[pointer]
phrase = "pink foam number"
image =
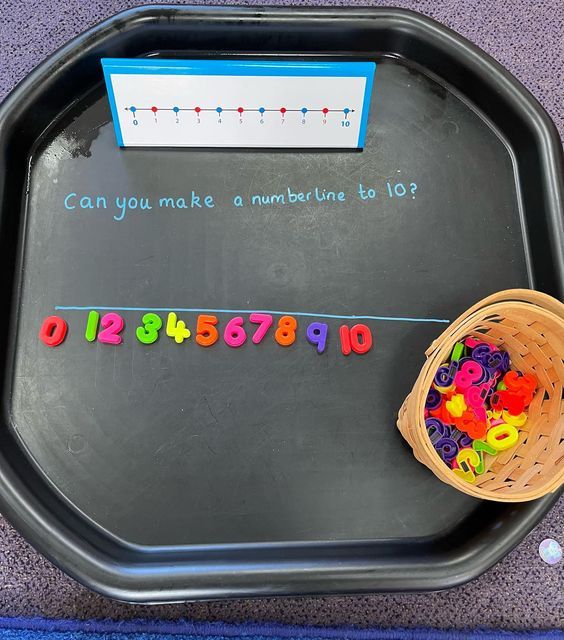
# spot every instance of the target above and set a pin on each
(112, 324)
(234, 334)
(264, 321)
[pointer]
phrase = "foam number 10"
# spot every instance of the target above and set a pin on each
(357, 339)
(112, 325)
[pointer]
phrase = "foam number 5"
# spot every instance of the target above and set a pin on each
(468, 460)
(206, 332)
(149, 332)
(286, 333)
(264, 321)
(53, 331)
(176, 328)
(234, 334)
(112, 324)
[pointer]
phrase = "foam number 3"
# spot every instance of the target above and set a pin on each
(53, 331)
(234, 334)
(264, 321)
(176, 328)
(112, 324)
(149, 332)
(286, 333)
(206, 332)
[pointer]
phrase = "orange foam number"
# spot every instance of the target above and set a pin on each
(206, 332)
(286, 333)
(53, 331)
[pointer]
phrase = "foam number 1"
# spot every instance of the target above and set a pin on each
(92, 326)
(316, 335)
(286, 333)
(176, 328)
(358, 339)
(149, 332)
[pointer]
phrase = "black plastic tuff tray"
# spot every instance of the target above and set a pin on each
(170, 472)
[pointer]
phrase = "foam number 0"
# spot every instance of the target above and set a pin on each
(358, 339)
(206, 332)
(264, 321)
(286, 333)
(176, 328)
(53, 331)
(149, 332)
(112, 324)
(234, 334)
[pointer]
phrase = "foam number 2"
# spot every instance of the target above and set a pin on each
(358, 339)
(149, 332)
(234, 334)
(176, 328)
(53, 331)
(112, 324)
(286, 333)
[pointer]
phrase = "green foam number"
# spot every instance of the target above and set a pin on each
(149, 332)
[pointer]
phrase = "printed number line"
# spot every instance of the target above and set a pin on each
(303, 314)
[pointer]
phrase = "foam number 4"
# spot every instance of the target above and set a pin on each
(206, 332)
(264, 321)
(234, 334)
(176, 328)
(286, 333)
(149, 332)
(53, 331)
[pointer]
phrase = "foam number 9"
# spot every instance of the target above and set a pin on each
(149, 332)
(176, 328)
(286, 333)
(316, 335)
(53, 331)
(234, 334)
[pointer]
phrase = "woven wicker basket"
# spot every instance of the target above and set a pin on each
(530, 326)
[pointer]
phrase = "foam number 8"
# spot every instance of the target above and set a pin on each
(234, 334)
(149, 332)
(286, 333)
(53, 331)
(176, 328)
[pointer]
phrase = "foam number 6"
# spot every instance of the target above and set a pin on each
(149, 332)
(471, 372)
(176, 328)
(286, 333)
(234, 334)
(206, 332)
(112, 324)
(53, 331)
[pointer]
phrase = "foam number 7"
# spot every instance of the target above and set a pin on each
(176, 328)
(264, 321)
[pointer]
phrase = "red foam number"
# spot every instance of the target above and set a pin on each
(53, 331)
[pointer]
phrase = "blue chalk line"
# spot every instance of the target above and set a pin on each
(269, 311)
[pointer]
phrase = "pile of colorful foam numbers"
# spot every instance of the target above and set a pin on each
(476, 405)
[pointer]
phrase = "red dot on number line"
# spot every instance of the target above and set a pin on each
(197, 109)
(240, 109)
(154, 109)
(283, 110)
(325, 110)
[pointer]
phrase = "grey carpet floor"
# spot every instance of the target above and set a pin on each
(521, 592)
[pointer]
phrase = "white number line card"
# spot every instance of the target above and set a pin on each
(239, 103)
